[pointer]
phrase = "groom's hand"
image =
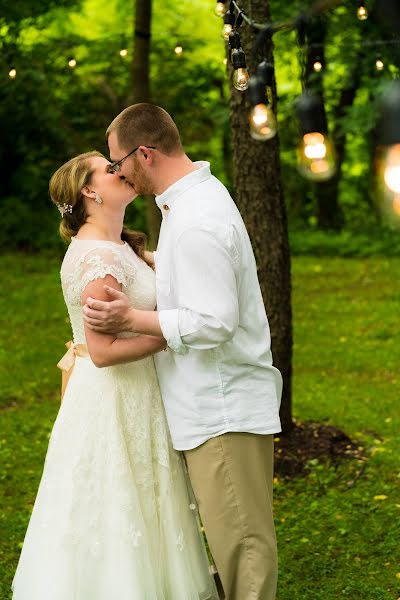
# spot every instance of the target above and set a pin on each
(109, 317)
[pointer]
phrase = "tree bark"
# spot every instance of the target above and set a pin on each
(140, 70)
(259, 197)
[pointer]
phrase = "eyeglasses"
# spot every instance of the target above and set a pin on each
(115, 167)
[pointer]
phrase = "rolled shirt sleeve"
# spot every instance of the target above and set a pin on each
(207, 314)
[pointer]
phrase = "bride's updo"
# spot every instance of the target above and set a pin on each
(65, 191)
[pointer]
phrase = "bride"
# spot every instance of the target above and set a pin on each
(114, 518)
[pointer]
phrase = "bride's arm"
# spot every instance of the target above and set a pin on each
(106, 350)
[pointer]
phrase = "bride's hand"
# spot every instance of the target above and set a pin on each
(109, 317)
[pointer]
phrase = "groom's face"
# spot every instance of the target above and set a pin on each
(133, 168)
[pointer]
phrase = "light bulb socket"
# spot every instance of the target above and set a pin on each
(257, 93)
(265, 71)
(311, 113)
(229, 18)
(238, 59)
(234, 40)
(390, 110)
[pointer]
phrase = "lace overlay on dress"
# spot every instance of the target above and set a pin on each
(113, 517)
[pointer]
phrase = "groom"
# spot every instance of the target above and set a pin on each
(220, 390)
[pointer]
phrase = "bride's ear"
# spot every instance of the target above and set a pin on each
(85, 191)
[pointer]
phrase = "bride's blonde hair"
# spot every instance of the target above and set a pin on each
(65, 191)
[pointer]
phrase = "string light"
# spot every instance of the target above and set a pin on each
(362, 12)
(178, 50)
(392, 168)
(12, 73)
(317, 66)
(316, 155)
(234, 41)
(262, 119)
(123, 53)
(316, 152)
(229, 21)
(240, 74)
(220, 8)
(71, 62)
(389, 174)
(265, 71)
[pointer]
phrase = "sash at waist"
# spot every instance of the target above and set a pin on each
(66, 364)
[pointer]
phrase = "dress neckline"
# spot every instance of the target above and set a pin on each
(75, 239)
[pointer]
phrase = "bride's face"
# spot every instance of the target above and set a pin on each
(114, 190)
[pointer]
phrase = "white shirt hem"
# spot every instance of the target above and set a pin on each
(204, 439)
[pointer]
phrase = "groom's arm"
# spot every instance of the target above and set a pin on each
(207, 314)
(205, 278)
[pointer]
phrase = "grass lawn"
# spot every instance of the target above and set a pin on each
(338, 528)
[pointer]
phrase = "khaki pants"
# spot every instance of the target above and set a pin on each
(231, 476)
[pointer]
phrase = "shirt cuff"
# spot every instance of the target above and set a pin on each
(169, 323)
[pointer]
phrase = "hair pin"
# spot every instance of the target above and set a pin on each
(64, 208)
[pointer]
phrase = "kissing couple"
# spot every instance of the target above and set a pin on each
(169, 413)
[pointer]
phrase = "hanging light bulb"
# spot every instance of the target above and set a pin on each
(317, 66)
(123, 53)
(392, 168)
(379, 64)
(390, 159)
(265, 71)
(12, 73)
(229, 21)
(316, 153)
(240, 73)
(178, 50)
(72, 62)
(220, 8)
(362, 12)
(262, 119)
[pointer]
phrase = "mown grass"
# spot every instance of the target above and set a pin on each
(338, 528)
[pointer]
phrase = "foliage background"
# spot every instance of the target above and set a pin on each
(50, 112)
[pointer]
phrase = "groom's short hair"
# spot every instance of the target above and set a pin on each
(146, 124)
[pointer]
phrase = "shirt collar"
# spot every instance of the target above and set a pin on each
(168, 197)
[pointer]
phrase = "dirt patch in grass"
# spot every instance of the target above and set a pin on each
(312, 441)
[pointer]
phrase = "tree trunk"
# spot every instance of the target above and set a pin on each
(140, 69)
(259, 196)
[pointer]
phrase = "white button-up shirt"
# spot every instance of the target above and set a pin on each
(217, 374)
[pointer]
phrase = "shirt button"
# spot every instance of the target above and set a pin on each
(165, 207)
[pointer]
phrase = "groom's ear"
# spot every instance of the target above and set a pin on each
(147, 153)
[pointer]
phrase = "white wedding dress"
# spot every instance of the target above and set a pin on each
(113, 518)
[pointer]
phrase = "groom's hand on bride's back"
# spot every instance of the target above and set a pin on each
(114, 316)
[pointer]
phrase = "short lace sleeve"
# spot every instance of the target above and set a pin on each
(81, 267)
(98, 263)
